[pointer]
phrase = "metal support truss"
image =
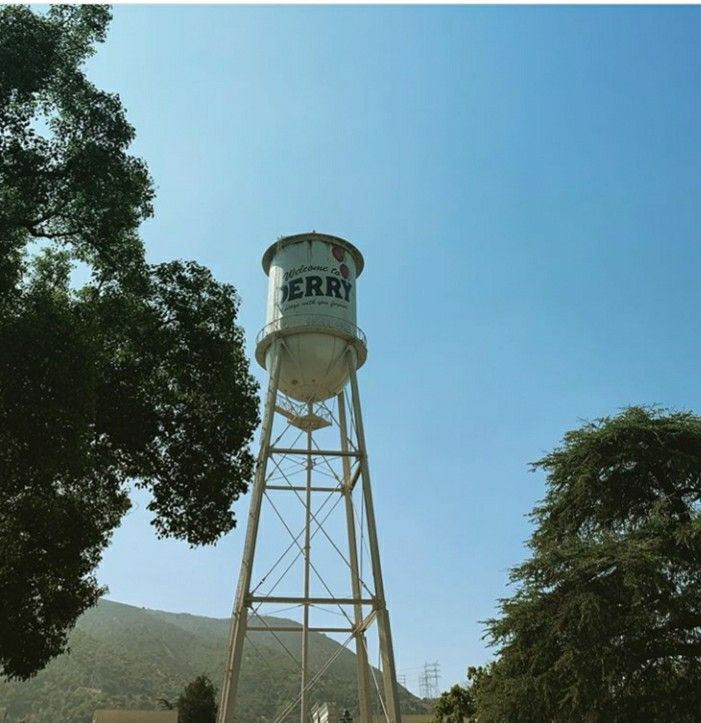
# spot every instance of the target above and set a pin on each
(296, 468)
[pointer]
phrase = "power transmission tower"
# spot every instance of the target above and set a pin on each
(434, 673)
(423, 684)
(428, 680)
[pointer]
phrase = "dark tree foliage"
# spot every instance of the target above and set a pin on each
(137, 376)
(458, 705)
(454, 705)
(606, 623)
(197, 703)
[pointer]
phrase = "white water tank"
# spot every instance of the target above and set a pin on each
(311, 305)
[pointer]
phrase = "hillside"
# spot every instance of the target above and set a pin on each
(128, 657)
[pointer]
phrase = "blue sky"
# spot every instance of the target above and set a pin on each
(524, 183)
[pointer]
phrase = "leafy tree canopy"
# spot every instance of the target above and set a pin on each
(138, 375)
(606, 622)
(197, 703)
(454, 705)
(458, 704)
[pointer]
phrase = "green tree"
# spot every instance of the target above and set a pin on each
(606, 622)
(197, 703)
(454, 706)
(458, 704)
(139, 376)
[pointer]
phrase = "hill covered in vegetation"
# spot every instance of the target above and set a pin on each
(128, 657)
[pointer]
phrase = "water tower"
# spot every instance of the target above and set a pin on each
(312, 447)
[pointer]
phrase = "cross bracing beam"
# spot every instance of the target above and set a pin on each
(350, 486)
(296, 629)
(361, 627)
(315, 452)
(284, 600)
(297, 488)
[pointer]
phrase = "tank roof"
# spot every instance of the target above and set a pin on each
(313, 236)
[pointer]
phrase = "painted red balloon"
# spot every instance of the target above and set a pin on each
(344, 271)
(338, 253)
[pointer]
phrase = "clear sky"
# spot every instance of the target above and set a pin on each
(525, 185)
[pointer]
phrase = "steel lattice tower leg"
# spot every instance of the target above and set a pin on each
(239, 621)
(386, 649)
(347, 454)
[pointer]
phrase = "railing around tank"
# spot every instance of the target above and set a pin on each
(316, 321)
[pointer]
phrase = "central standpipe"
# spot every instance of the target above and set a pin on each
(312, 348)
